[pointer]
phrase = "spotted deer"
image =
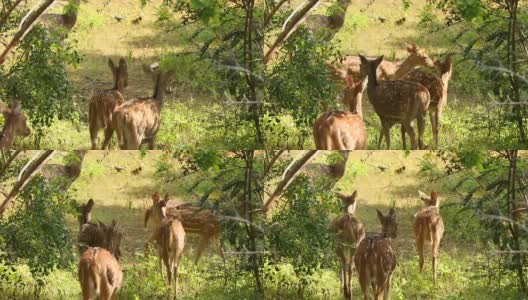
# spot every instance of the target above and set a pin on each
(170, 239)
(396, 101)
(349, 233)
(103, 103)
(137, 121)
(98, 234)
(375, 259)
(339, 130)
(100, 274)
(429, 226)
(388, 70)
(14, 124)
(437, 86)
(154, 214)
(62, 24)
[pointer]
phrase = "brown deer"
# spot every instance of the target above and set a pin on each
(437, 87)
(349, 233)
(339, 130)
(154, 214)
(14, 124)
(137, 121)
(396, 101)
(375, 259)
(429, 226)
(98, 234)
(103, 103)
(62, 24)
(100, 274)
(170, 239)
(388, 70)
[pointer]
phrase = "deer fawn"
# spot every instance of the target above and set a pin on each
(396, 101)
(389, 70)
(137, 121)
(339, 130)
(375, 259)
(62, 24)
(100, 274)
(103, 103)
(429, 226)
(98, 235)
(349, 233)
(14, 125)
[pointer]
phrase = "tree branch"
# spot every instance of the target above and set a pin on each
(8, 13)
(269, 16)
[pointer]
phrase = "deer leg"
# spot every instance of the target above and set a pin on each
(344, 281)
(109, 131)
(152, 143)
(420, 249)
(93, 135)
(380, 138)
(438, 116)
(386, 289)
(410, 130)
(404, 143)
(201, 246)
(434, 253)
(386, 126)
(421, 124)
(349, 285)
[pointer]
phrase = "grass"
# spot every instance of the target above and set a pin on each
(380, 183)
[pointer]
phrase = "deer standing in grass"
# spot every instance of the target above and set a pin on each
(388, 70)
(375, 259)
(349, 233)
(62, 24)
(99, 272)
(437, 87)
(396, 101)
(339, 130)
(429, 226)
(137, 121)
(169, 235)
(14, 124)
(103, 103)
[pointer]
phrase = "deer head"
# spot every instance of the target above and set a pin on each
(163, 80)
(120, 73)
(431, 200)
(389, 227)
(445, 68)
(417, 56)
(368, 68)
(112, 238)
(14, 124)
(85, 211)
(349, 202)
(353, 94)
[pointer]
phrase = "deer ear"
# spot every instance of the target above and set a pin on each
(114, 223)
(147, 69)
(166, 198)
(423, 196)
(89, 205)
(392, 213)
(111, 64)
(379, 60)
(122, 62)
(155, 197)
(363, 59)
(434, 198)
(380, 215)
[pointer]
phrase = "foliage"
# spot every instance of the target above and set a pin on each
(36, 233)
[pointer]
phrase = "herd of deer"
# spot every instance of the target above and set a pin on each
(373, 254)
(399, 92)
(100, 273)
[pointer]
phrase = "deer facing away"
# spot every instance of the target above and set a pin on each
(375, 259)
(429, 226)
(62, 24)
(137, 121)
(14, 124)
(396, 101)
(339, 130)
(349, 233)
(103, 103)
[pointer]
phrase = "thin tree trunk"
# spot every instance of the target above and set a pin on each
(37, 162)
(6, 15)
(8, 162)
(25, 26)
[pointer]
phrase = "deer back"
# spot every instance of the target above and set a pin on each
(375, 259)
(196, 220)
(98, 266)
(339, 130)
(171, 238)
(395, 99)
(431, 82)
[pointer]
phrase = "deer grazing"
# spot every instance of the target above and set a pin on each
(396, 101)
(349, 233)
(388, 70)
(62, 24)
(137, 121)
(169, 235)
(14, 125)
(429, 226)
(339, 130)
(375, 259)
(103, 103)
